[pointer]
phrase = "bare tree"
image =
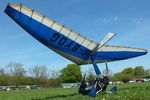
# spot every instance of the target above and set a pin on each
(40, 72)
(16, 69)
(2, 72)
(107, 72)
(90, 74)
(55, 74)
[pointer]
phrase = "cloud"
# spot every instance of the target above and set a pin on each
(71, 2)
(115, 19)
(137, 20)
(109, 20)
(137, 34)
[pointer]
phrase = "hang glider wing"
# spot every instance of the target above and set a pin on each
(65, 41)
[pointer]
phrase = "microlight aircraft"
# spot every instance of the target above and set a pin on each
(72, 45)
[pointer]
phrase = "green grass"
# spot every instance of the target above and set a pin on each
(133, 91)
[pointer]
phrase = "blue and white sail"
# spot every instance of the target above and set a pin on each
(65, 41)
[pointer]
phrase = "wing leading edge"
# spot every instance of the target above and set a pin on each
(65, 41)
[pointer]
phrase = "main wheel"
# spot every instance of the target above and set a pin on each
(82, 89)
(102, 84)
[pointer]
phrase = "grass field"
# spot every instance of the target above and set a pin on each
(132, 91)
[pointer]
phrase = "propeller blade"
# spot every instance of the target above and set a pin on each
(104, 41)
(84, 78)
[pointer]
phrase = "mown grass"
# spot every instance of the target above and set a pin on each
(132, 91)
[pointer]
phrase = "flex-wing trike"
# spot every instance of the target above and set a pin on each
(71, 44)
(101, 82)
(99, 85)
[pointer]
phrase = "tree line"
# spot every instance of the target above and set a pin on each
(15, 74)
(129, 73)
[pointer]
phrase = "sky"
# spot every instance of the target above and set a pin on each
(130, 19)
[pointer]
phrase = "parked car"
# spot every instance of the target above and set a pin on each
(2, 88)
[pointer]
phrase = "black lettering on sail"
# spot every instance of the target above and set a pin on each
(69, 45)
(54, 37)
(62, 41)
(76, 47)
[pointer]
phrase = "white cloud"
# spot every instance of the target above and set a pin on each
(137, 20)
(137, 35)
(115, 19)
(109, 20)
(71, 2)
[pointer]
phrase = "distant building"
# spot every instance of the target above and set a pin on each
(146, 79)
(69, 85)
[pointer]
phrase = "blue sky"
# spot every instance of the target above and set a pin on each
(130, 19)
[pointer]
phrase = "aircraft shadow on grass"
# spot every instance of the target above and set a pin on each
(57, 97)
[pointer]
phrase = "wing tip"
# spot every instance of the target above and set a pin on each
(145, 51)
